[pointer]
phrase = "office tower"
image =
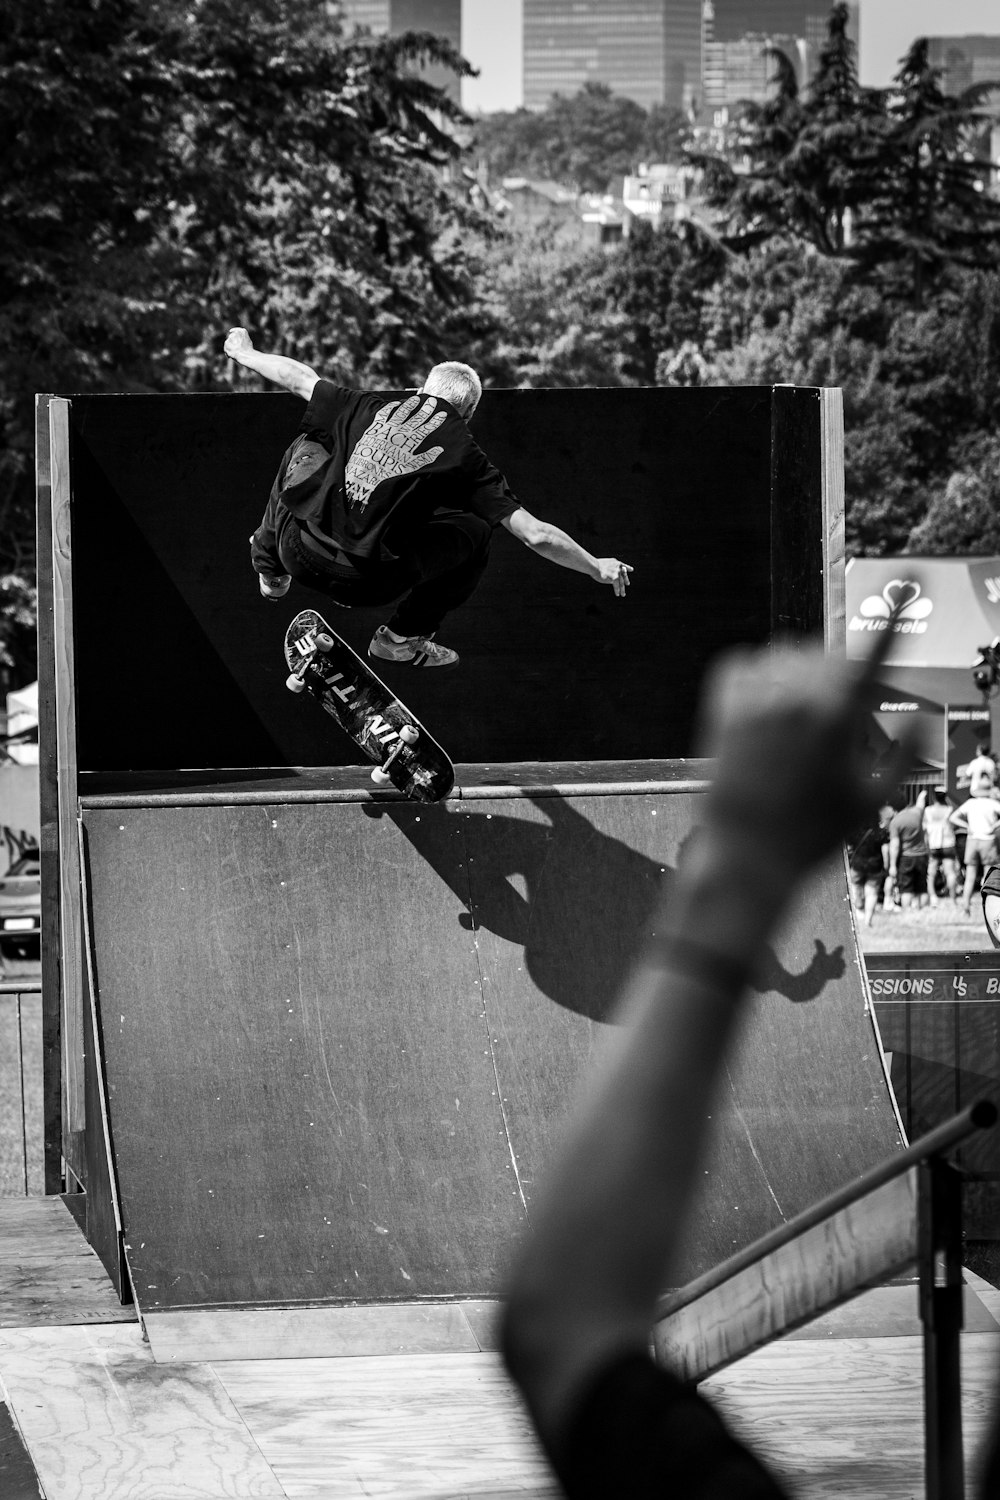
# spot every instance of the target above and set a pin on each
(442, 17)
(735, 19)
(738, 35)
(966, 60)
(371, 13)
(743, 69)
(647, 50)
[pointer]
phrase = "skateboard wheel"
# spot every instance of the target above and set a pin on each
(380, 777)
(408, 734)
(295, 684)
(324, 642)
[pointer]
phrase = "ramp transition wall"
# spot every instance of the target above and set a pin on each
(340, 1038)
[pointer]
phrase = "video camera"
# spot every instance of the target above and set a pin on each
(986, 671)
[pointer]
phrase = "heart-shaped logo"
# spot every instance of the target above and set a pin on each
(900, 592)
(900, 595)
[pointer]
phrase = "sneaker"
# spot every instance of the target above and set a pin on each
(274, 585)
(418, 650)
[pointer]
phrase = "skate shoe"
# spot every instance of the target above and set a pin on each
(417, 650)
(274, 585)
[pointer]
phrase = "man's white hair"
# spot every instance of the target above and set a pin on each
(456, 383)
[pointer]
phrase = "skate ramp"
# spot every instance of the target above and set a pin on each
(340, 1037)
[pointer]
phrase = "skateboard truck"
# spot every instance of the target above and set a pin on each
(408, 735)
(309, 646)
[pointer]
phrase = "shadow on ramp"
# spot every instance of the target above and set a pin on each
(340, 1039)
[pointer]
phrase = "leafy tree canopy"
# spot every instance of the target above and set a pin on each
(928, 206)
(888, 179)
(585, 140)
(964, 516)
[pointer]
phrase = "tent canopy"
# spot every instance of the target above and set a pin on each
(951, 607)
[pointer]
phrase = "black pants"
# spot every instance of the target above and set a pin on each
(443, 564)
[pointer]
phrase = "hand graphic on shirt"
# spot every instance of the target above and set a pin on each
(386, 450)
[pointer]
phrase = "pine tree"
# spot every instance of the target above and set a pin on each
(805, 161)
(931, 207)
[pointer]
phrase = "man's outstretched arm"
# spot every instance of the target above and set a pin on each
(548, 541)
(290, 373)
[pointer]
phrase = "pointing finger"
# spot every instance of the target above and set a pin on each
(869, 668)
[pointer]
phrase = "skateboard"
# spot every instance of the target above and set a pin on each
(383, 729)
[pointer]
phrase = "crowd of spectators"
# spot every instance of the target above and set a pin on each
(929, 850)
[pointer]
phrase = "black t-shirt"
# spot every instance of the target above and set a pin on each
(866, 852)
(639, 1433)
(365, 470)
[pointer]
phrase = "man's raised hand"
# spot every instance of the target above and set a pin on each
(238, 342)
(788, 730)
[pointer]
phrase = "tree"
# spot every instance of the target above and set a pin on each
(666, 135)
(800, 163)
(584, 140)
(545, 320)
(890, 179)
(964, 515)
(930, 207)
(512, 143)
(316, 191)
(917, 384)
(18, 613)
(86, 97)
(744, 184)
(656, 281)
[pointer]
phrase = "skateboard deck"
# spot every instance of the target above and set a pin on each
(384, 730)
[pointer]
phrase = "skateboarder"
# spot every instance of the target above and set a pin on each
(377, 501)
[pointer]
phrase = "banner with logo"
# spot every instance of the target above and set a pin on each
(950, 608)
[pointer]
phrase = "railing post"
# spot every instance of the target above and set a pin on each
(939, 1239)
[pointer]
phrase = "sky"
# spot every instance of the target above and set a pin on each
(491, 32)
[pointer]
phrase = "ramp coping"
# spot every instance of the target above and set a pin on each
(271, 786)
(459, 794)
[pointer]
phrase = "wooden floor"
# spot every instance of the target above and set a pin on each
(838, 1411)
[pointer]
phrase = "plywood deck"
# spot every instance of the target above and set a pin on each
(103, 1421)
(838, 1413)
(48, 1272)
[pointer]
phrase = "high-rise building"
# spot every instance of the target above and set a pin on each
(738, 34)
(647, 50)
(744, 69)
(966, 60)
(735, 19)
(391, 17)
(373, 14)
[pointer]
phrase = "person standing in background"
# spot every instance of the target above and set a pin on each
(908, 853)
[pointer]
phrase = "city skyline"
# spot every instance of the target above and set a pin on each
(649, 50)
(492, 40)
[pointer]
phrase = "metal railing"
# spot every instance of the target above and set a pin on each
(906, 1211)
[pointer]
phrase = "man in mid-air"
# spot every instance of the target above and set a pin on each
(377, 501)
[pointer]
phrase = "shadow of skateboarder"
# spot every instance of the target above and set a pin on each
(578, 900)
